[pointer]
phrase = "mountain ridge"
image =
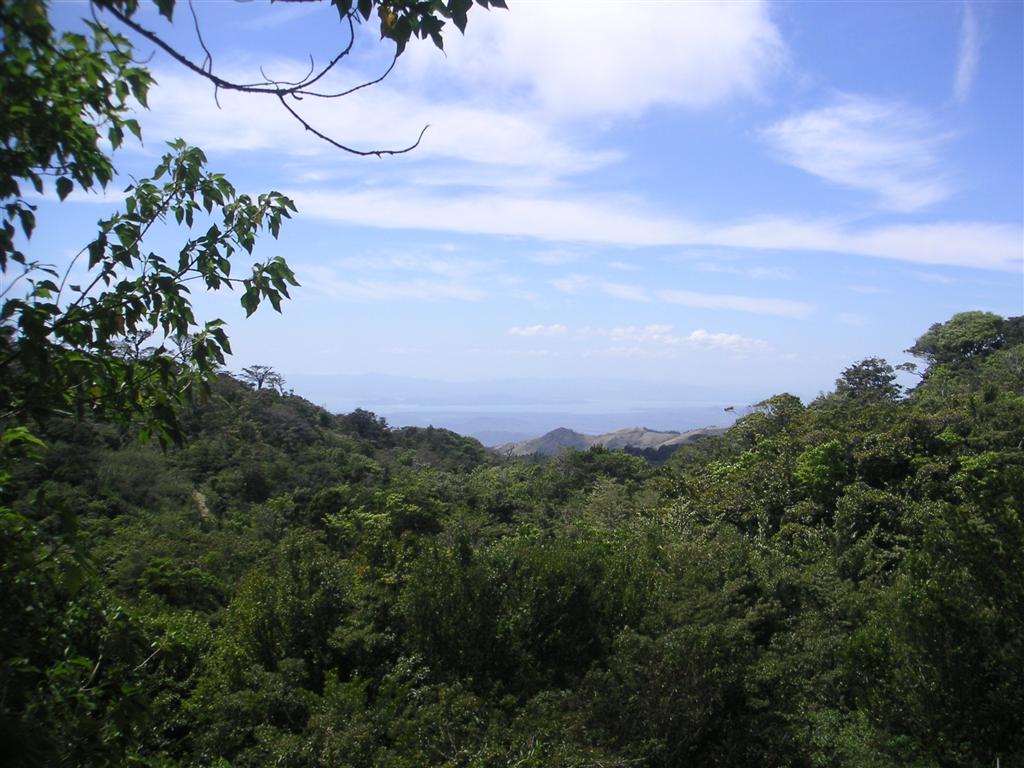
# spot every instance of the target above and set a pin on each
(629, 438)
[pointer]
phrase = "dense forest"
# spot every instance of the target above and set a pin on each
(204, 570)
(832, 583)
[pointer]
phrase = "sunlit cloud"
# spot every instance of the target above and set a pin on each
(881, 147)
(570, 58)
(382, 117)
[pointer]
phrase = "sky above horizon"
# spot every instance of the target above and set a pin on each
(751, 195)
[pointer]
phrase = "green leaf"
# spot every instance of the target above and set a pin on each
(64, 187)
(166, 8)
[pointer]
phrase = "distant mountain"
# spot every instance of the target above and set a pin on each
(632, 438)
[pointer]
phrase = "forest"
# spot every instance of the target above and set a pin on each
(836, 583)
(204, 569)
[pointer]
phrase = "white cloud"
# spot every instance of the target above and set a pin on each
(453, 268)
(576, 283)
(581, 58)
(968, 55)
(755, 273)
(571, 284)
(554, 258)
(648, 333)
(556, 329)
(979, 245)
(382, 117)
(853, 319)
(881, 147)
(757, 306)
(623, 266)
(731, 341)
(662, 335)
(611, 221)
(932, 277)
(326, 281)
(626, 292)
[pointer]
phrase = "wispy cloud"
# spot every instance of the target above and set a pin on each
(554, 257)
(968, 55)
(328, 283)
(626, 292)
(623, 266)
(882, 147)
(757, 306)
(556, 329)
(577, 283)
(402, 276)
(754, 273)
(449, 267)
(932, 277)
(571, 284)
(611, 221)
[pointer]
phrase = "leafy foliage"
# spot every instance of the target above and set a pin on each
(832, 584)
(837, 583)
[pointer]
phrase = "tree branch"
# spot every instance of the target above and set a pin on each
(279, 88)
(360, 152)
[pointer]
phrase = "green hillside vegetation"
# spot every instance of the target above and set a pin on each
(194, 572)
(839, 583)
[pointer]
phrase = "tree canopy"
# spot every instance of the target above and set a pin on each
(838, 583)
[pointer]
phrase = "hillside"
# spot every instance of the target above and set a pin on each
(637, 439)
(833, 583)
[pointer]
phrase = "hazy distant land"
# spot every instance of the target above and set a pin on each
(507, 411)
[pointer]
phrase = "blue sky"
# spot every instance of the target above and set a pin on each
(746, 196)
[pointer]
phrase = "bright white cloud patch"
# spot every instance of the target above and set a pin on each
(383, 117)
(577, 58)
(968, 55)
(638, 339)
(880, 147)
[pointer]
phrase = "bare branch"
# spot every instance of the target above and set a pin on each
(361, 153)
(279, 88)
(367, 84)
(208, 59)
(269, 79)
